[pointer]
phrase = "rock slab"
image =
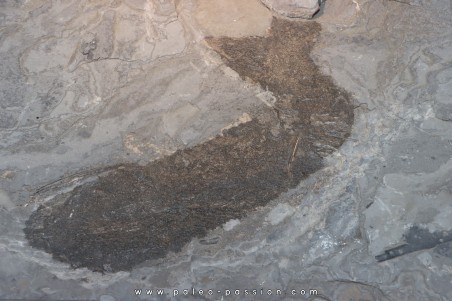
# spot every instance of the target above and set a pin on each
(293, 8)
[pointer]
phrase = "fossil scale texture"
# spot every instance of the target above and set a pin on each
(203, 144)
(134, 213)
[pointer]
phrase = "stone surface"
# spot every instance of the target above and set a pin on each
(407, 200)
(109, 81)
(294, 8)
(134, 213)
(235, 18)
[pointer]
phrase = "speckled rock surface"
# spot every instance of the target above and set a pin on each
(114, 82)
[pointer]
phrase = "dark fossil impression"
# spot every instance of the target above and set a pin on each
(135, 213)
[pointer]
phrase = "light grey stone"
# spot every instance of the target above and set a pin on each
(106, 298)
(294, 8)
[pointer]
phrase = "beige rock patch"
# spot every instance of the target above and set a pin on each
(233, 18)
